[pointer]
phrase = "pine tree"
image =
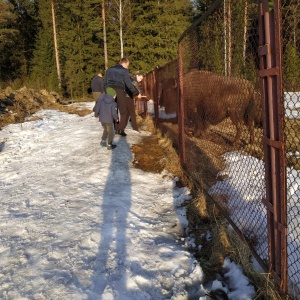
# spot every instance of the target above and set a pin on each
(150, 32)
(43, 72)
(18, 28)
(291, 69)
(8, 36)
(79, 39)
(291, 45)
(8, 30)
(155, 29)
(55, 43)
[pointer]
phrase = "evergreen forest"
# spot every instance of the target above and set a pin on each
(60, 45)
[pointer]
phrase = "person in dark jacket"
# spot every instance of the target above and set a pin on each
(118, 78)
(130, 102)
(137, 81)
(140, 104)
(97, 85)
(106, 110)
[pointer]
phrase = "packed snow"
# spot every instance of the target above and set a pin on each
(246, 173)
(292, 105)
(80, 222)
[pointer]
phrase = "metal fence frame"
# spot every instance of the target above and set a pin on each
(270, 74)
(273, 111)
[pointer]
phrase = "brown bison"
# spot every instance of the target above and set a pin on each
(210, 99)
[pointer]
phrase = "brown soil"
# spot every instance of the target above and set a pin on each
(18, 106)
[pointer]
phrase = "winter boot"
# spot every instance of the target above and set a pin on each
(103, 143)
(111, 146)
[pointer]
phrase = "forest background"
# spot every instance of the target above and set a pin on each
(60, 45)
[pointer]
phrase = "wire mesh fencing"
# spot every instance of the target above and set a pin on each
(167, 98)
(290, 11)
(209, 102)
(222, 115)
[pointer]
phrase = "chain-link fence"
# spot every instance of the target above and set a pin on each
(290, 11)
(211, 104)
(222, 115)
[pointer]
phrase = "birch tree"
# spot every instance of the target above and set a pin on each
(55, 44)
(229, 37)
(119, 19)
(245, 32)
(225, 39)
(104, 35)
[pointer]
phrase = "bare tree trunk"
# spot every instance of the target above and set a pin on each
(295, 23)
(229, 37)
(119, 9)
(245, 32)
(55, 45)
(121, 28)
(104, 35)
(225, 39)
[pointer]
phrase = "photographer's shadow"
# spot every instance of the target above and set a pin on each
(116, 202)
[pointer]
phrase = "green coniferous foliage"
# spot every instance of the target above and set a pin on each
(150, 33)
(291, 71)
(7, 24)
(211, 43)
(237, 11)
(80, 44)
(113, 29)
(156, 27)
(43, 69)
(200, 7)
(217, 51)
(8, 37)
(291, 44)
(27, 24)
(18, 27)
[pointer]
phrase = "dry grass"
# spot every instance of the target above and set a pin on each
(27, 102)
(265, 287)
(204, 217)
(148, 156)
(75, 109)
(156, 153)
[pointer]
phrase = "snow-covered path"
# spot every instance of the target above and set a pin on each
(79, 222)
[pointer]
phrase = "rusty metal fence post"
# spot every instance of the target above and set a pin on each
(181, 110)
(268, 153)
(270, 74)
(155, 91)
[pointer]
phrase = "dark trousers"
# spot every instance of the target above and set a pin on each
(121, 102)
(108, 132)
(131, 113)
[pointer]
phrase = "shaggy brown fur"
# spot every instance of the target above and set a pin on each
(212, 98)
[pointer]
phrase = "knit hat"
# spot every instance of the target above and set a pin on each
(111, 91)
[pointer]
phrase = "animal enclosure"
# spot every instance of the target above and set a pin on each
(231, 105)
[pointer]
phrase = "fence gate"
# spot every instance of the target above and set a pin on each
(270, 73)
